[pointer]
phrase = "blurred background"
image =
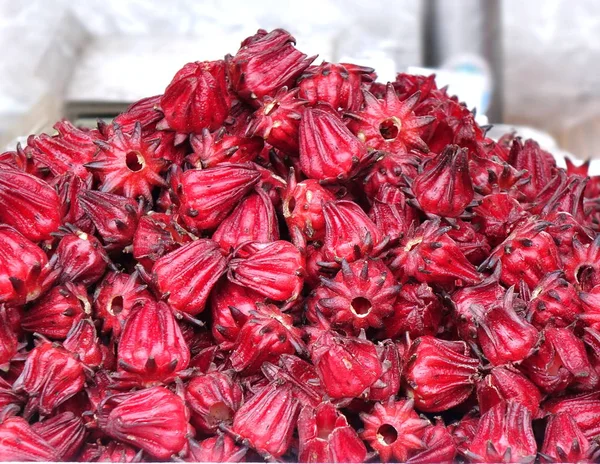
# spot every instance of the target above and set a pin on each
(533, 64)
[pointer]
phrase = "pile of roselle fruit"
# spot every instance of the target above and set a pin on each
(277, 260)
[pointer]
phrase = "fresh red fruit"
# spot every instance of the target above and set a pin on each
(152, 349)
(584, 408)
(253, 219)
(84, 343)
(328, 150)
(57, 311)
(114, 216)
(185, 277)
(9, 342)
(114, 299)
(231, 306)
(496, 216)
(29, 205)
(80, 258)
(564, 441)
(21, 443)
(444, 188)
(526, 255)
(538, 163)
(391, 213)
(211, 149)
(504, 434)
(502, 334)
(213, 399)
(439, 374)
(325, 436)
(554, 301)
(69, 187)
(207, 196)
(274, 270)
(391, 169)
(253, 422)
(504, 383)
(302, 207)
(390, 124)
(338, 84)
(388, 384)
(265, 62)
(277, 120)
(349, 233)
(24, 270)
(139, 418)
(220, 448)
(51, 376)
(417, 311)
(68, 151)
(156, 235)
(112, 452)
(64, 432)
(347, 366)
(360, 296)
(128, 164)
(196, 98)
(264, 337)
(429, 255)
(394, 430)
(560, 360)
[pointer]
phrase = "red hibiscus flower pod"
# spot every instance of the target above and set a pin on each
(80, 258)
(274, 270)
(186, 276)
(138, 418)
(151, 349)
(21, 443)
(504, 383)
(65, 432)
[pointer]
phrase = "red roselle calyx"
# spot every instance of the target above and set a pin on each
(213, 399)
(21, 443)
(264, 337)
(347, 366)
(220, 448)
(152, 349)
(196, 98)
(207, 196)
(265, 62)
(439, 374)
(272, 404)
(64, 432)
(115, 297)
(417, 311)
(339, 84)
(325, 436)
(254, 219)
(51, 376)
(302, 207)
(504, 435)
(349, 233)
(390, 124)
(24, 271)
(444, 188)
(138, 418)
(56, 312)
(328, 150)
(80, 258)
(29, 205)
(394, 429)
(277, 120)
(429, 255)
(274, 270)
(360, 296)
(185, 276)
(211, 149)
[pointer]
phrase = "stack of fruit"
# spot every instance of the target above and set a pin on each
(285, 261)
